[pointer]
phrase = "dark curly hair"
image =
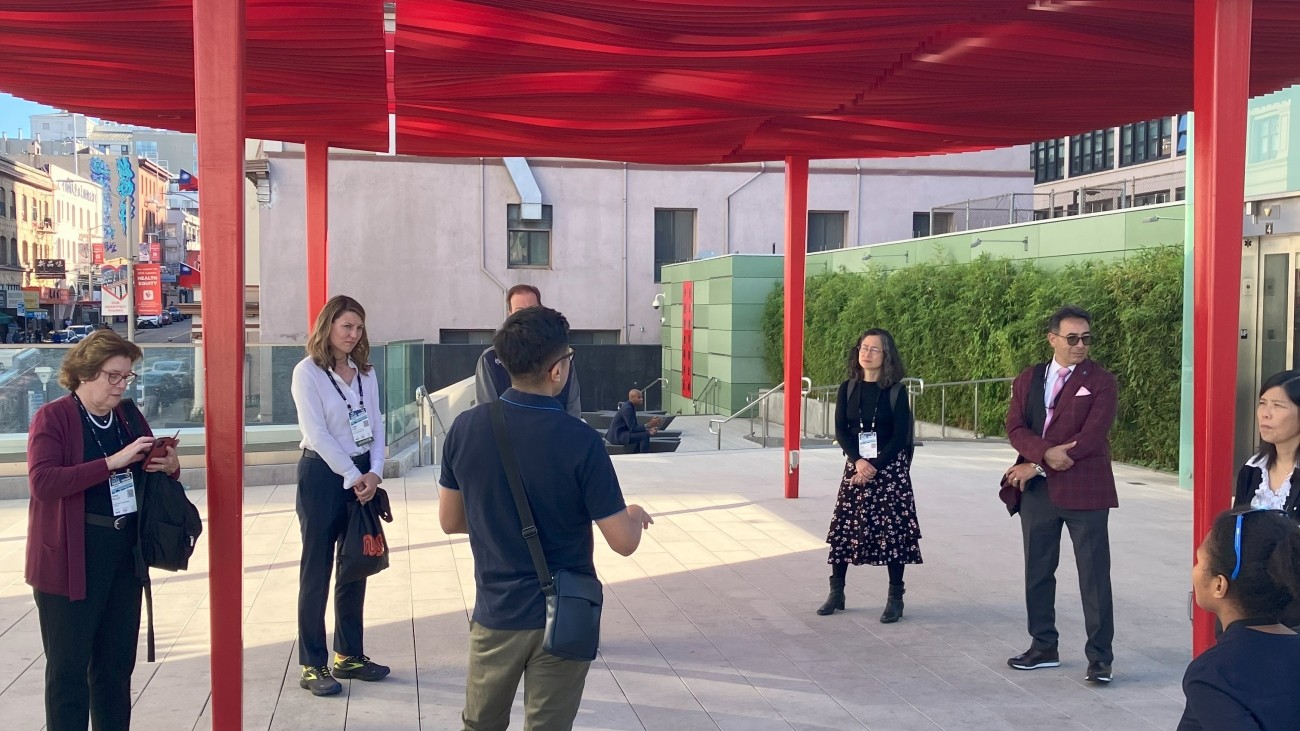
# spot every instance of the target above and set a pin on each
(1270, 559)
(892, 371)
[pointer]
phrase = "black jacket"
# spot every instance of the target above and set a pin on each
(1248, 484)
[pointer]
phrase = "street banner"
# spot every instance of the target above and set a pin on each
(155, 252)
(148, 289)
(113, 287)
(32, 298)
(97, 255)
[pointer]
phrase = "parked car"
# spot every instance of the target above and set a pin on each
(144, 321)
(78, 332)
(165, 382)
(176, 314)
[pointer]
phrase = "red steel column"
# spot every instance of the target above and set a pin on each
(796, 248)
(219, 95)
(1222, 73)
(318, 185)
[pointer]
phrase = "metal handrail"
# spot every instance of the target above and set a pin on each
(655, 382)
(712, 385)
(943, 402)
(915, 387)
(426, 400)
(805, 387)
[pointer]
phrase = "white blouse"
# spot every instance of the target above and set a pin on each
(323, 417)
(1265, 498)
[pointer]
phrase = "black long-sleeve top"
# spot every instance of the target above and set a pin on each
(893, 425)
(1246, 682)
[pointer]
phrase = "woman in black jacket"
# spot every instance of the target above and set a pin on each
(1269, 480)
(875, 514)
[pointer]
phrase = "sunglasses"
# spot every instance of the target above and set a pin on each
(1074, 340)
(1236, 541)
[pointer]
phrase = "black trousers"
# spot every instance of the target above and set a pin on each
(1040, 524)
(90, 644)
(639, 441)
(323, 517)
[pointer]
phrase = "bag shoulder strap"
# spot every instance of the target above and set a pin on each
(511, 466)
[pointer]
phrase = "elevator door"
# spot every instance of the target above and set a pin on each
(1277, 299)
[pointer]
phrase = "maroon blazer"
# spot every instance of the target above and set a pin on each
(1086, 419)
(59, 478)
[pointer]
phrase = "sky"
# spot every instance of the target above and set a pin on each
(14, 113)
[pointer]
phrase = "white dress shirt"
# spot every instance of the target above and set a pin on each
(1265, 498)
(323, 417)
(1051, 381)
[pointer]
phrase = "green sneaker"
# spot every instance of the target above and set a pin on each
(318, 681)
(359, 667)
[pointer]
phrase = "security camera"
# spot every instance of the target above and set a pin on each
(658, 301)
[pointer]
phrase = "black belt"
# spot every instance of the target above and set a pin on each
(121, 522)
(310, 454)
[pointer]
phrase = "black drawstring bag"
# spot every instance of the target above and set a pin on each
(364, 552)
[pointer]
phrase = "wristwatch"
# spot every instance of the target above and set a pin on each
(1039, 470)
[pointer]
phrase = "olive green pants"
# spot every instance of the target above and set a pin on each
(497, 659)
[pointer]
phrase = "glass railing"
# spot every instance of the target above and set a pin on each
(170, 390)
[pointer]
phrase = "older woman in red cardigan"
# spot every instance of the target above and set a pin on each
(86, 452)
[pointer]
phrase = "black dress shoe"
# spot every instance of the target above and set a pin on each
(1034, 659)
(1098, 672)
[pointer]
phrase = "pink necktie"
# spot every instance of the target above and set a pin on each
(1061, 375)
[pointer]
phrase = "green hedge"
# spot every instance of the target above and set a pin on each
(987, 320)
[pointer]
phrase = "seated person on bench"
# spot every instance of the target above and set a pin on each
(625, 429)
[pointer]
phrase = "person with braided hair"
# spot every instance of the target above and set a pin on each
(1247, 572)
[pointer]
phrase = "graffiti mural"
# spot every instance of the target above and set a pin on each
(126, 191)
(103, 177)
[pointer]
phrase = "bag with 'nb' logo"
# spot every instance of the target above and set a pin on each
(364, 551)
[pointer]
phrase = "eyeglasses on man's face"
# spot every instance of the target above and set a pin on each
(1072, 339)
(115, 378)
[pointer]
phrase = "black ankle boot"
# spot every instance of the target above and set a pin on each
(894, 606)
(835, 599)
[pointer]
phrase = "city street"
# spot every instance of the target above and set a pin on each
(177, 332)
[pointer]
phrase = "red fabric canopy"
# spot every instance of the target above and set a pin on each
(667, 81)
(315, 68)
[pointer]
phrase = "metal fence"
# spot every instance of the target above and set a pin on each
(1010, 208)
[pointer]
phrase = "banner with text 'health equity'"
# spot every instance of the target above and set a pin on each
(148, 289)
(113, 287)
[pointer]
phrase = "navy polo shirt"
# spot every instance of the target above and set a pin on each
(570, 482)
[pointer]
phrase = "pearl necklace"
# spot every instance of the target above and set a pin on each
(108, 424)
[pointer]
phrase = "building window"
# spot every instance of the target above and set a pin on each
(3, 210)
(147, 148)
(920, 224)
(1047, 159)
(1181, 147)
(126, 150)
(674, 237)
(24, 208)
(13, 204)
(4, 251)
(1151, 199)
(826, 230)
(465, 337)
(528, 242)
(1265, 138)
(1092, 152)
(1180, 193)
(1145, 141)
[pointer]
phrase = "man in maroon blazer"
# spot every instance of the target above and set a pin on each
(1059, 422)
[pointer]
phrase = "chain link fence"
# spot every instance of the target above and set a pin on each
(1010, 208)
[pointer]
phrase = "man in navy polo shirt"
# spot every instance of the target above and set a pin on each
(491, 379)
(570, 483)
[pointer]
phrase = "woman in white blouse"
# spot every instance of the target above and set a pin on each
(1269, 481)
(337, 396)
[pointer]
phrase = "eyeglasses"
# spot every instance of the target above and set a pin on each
(1074, 340)
(873, 350)
(115, 378)
(1236, 541)
(567, 356)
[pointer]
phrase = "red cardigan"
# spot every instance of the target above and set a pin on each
(59, 478)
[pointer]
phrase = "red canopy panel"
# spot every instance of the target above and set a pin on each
(695, 81)
(315, 68)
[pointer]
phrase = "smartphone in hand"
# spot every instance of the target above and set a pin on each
(160, 446)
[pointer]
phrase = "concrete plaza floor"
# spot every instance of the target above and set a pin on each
(710, 625)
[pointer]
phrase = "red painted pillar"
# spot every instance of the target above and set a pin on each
(1222, 73)
(219, 93)
(318, 184)
(796, 249)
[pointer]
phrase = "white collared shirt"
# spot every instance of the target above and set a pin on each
(323, 417)
(1051, 381)
(1265, 498)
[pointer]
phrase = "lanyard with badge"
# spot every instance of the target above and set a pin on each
(121, 484)
(358, 420)
(868, 441)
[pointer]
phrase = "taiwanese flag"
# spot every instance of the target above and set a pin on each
(188, 182)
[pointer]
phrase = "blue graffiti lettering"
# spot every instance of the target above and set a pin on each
(126, 189)
(103, 177)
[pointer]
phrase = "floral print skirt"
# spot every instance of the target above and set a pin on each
(876, 523)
